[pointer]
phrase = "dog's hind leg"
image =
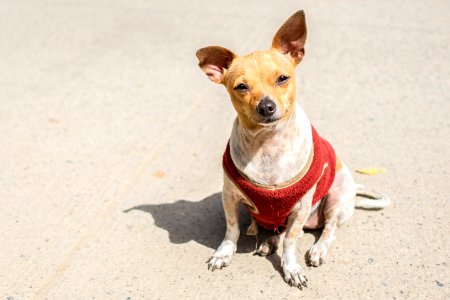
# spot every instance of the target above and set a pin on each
(338, 207)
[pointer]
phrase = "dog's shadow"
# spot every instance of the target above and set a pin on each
(200, 221)
(204, 222)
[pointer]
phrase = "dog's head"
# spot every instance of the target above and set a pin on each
(261, 84)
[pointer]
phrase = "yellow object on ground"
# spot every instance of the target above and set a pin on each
(371, 171)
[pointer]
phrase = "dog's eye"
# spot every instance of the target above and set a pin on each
(282, 79)
(241, 87)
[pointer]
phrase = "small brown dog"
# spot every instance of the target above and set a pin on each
(276, 164)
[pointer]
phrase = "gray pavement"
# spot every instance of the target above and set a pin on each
(112, 138)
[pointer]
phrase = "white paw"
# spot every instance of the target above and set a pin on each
(317, 254)
(218, 262)
(222, 257)
(294, 275)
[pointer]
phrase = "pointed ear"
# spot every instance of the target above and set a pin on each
(291, 37)
(214, 60)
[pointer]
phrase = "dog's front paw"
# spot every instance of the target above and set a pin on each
(218, 262)
(294, 275)
(222, 257)
(317, 254)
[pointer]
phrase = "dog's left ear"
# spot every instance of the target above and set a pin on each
(291, 37)
(214, 61)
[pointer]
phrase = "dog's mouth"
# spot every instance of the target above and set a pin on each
(269, 121)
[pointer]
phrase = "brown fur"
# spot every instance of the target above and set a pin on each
(338, 164)
(260, 70)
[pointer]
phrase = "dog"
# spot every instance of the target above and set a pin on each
(287, 176)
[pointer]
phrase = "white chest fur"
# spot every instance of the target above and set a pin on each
(273, 155)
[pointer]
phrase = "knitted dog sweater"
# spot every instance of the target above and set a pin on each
(273, 204)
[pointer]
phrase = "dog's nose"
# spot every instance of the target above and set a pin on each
(266, 107)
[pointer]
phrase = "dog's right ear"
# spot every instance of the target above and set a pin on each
(214, 61)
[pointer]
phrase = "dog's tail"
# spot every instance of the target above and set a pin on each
(371, 200)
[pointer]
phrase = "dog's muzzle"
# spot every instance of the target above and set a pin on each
(267, 111)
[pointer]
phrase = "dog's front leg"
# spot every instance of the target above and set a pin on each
(230, 199)
(293, 272)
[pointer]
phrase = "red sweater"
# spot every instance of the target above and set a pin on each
(274, 204)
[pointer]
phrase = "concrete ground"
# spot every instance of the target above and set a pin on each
(112, 140)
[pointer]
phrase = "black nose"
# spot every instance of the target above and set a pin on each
(266, 107)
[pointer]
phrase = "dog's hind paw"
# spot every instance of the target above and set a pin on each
(317, 254)
(295, 276)
(265, 249)
(270, 245)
